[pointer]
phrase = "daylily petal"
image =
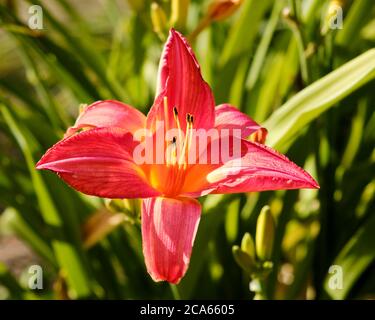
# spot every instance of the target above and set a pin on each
(229, 117)
(180, 80)
(99, 162)
(169, 227)
(109, 113)
(260, 169)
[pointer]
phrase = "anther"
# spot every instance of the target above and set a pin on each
(175, 112)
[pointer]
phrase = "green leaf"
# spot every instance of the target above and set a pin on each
(356, 18)
(7, 279)
(263, 46)
(253, 11)
(285, 124)
(354, 258)
(68, 256)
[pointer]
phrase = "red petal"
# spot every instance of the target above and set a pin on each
(229, 117)
(169, 227)
(109, 113)
(260, 169)
(180, 80)
(99, 162)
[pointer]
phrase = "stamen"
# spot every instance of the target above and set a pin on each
(176, 119)
(175, 112)
(190, 137)
(172, 157)
(166, 109)
(189, 127)
(178, 154)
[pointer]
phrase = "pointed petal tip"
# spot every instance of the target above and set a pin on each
(98, 162)
(40, 165)
(314, 184)
(260, 169)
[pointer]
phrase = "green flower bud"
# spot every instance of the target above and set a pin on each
(131, 207)
(179, 12)
(246, 262)
(114, 205)
(265, 233)
(247, 245)
(159, 20)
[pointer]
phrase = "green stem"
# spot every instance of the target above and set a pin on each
(259, 288)
(295, 25)
(302, 57)
(175, 293)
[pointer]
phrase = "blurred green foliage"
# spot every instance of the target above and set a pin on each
(310, 85)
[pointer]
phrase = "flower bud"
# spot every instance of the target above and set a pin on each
(243, 259)
(179, 12)
(99, 225)
(131, 207)
(159, 20)
(265, 233)
(217, 10)
(222, 9)
(247, 245)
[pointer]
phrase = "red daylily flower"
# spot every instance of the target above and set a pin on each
(100, 161)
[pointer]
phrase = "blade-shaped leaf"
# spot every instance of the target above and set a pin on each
(307, 105)
(354, 258)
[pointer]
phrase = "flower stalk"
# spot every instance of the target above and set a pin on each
(255, 259)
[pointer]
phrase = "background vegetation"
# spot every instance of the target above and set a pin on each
(278, 61)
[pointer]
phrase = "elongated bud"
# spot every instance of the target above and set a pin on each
(114, 205)
(130, 207)
(179, 12)
(218, 10)
(247, 245)
(265, 233)
(222, 9)
(243, 259)
(133, 207)
(99, 225)
(159, 20)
